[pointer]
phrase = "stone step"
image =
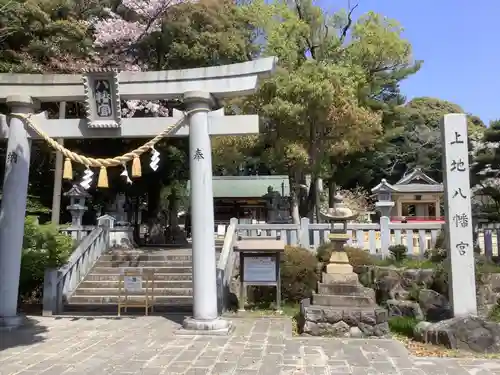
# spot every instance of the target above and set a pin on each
(156, 270)
(335, 300)
(111, 309)
(96, 276)
(345, 290)
(145, 257)
(115, 292)
(104, 284)
(142, 263)
(103, 299)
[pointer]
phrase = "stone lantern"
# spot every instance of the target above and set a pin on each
(340, 294)
(384, 199)
(338, 216)
(77, 196)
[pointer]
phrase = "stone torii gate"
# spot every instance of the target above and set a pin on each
(200, 90)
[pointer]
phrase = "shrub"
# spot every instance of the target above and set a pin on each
(398, 252)
(43, 247)
(403, 325)
(298, 278)
(440, 240)
(436, 255)
(359, 257)
(298, 274)
(324, 252)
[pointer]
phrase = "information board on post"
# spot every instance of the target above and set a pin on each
(259, 265)
(260, 269)
(136, 289)
(132, 283)
(462, 283)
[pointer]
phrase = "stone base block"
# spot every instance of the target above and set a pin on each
(343, 321)
(331, 278)
(346, 290)
(339, 257)
(339, 268)
(11, 322)
(216, 327)
(344, 301)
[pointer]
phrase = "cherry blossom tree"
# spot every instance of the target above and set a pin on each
(132, 21)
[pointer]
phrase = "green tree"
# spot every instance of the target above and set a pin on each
(326, 99)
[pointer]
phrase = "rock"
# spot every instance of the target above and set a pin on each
(340, 329)
(404, 308)
(419, 330)
(434, 305)
(355, 332)
(381, 329)
(470, 333)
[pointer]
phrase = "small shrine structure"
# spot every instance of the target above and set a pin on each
(416, 197)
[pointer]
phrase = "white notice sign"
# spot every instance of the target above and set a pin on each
(458, 214)
(132, 283)
(259, 269)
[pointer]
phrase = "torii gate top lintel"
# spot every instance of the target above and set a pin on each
(221, 81)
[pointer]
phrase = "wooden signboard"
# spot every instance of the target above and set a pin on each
(131, 284)
(259, 265)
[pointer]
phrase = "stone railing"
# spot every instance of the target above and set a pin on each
(78, 234)
(374, 237)
(225, 266)
(417, 237)
(59, 284)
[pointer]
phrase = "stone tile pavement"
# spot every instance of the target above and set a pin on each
(149, 345)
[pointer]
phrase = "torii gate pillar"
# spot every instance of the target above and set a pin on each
(205, 313)
(15, 188)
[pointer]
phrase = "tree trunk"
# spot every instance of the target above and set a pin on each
(174, 233)
(332, 189)
(155, 222)
(317, 198)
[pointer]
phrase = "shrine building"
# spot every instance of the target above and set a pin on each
(416, 197)
(244, 197)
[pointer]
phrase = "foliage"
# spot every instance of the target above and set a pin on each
(436, 255)
(359, 257)
(411, 139)
(298, 274)
(43, 247)
(485, 171)
(299, 278)
(398, 252)
(403, 325)
(41, 36)
(324, 252)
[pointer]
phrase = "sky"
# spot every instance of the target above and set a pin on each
(459, 42)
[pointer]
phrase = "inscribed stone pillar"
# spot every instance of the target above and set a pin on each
(205, 312)
(15, 188)
(462, 283)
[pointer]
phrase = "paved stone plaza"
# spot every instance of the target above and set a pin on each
(149, 345)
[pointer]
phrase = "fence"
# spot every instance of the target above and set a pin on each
(376, 238)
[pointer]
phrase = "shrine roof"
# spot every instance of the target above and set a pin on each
(415, 182)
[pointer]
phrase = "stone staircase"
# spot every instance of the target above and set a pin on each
(172, 280)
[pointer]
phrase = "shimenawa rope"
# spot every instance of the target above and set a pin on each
(108, 162)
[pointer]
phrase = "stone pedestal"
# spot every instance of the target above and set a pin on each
(342, 306)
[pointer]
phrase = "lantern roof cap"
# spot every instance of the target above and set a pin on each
(77, 191)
